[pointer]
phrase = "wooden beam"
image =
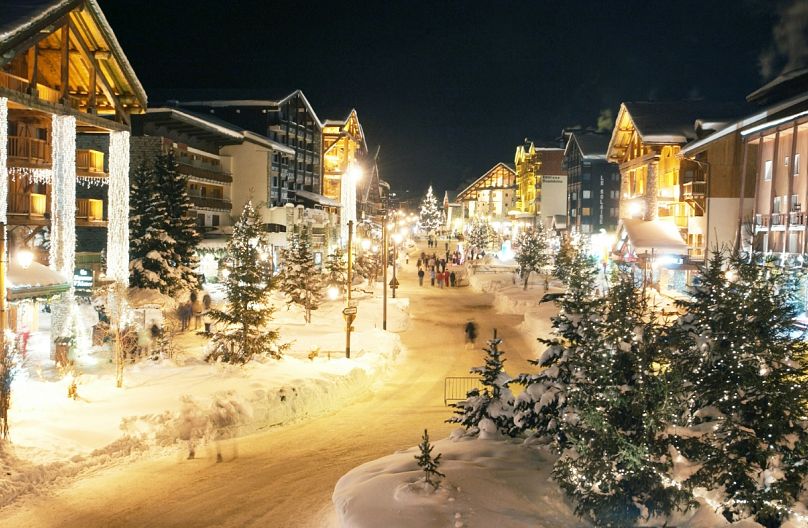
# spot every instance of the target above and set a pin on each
(65, 62)
(91, 101)
(35, 67)
(92, 63)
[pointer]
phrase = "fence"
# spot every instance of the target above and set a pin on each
(455, 388)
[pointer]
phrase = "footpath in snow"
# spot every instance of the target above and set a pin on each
(168, 404)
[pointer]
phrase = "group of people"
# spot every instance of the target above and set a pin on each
(439, 275)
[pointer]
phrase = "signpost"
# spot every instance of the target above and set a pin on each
(83, 281)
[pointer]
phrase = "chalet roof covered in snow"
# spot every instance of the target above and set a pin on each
(500, 176)
(646, 236)
(668, 123)
(24, 21)
(318, 198)
(591, 145)
(269, 103)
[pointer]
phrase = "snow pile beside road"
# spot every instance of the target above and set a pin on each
(54, 437)
(501, 482)
(498, 483)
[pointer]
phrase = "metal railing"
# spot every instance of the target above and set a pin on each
(456, 388)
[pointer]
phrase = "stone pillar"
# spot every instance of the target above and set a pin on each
(118, 209)
(651, 193)
(63, 196)
(3, 159)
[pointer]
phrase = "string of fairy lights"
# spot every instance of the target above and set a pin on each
(118, 199)
(63, 202)
(3, 158)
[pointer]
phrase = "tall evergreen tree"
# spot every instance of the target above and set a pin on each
(617, 467)
(745, 387)
(480, 234)
(494, 400)
(543, 408)
(564, 258)
(248, 285)
(152, 254)
(180, 223)
(431, 217)
(300, 279)
(336, 270)
(533, 251)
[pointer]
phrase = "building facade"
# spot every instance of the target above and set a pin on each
(541, 188)
(593, 184)
(291, 122)
(491, 197)
(655, 185)
(64, 83)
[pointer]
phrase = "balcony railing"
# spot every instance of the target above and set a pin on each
(29, 150)
(211, 203)
(91, 161)
(211, 172)
(90, 209)
(798, 218)
(695, 189)
(44, 93)
(695, 253)
(31, 204)
(777, 219)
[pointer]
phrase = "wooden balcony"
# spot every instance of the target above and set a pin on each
(206, 202)
(90, 162)
(31, 206)
(205, 173)
(694, 189)
(42, 92)
(34, 209)
(28, 152)
(90, 210)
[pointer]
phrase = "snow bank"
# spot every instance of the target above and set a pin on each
(498, 483)
(171, 401)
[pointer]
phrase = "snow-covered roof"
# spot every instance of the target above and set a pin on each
(21, 19)
(658, 235)
(593, 146)
(266, 142)
(318, 198)
(34, 281)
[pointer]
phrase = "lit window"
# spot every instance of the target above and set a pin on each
(796, 164)
(586, 194)
(767, 170)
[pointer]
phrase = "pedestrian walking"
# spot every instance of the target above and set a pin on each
(452, 279)
(432, 275)
(420, 276)
(471, 332)
(418, 263)
(440, 280)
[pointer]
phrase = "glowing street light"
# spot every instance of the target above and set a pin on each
(25, 258)
(333, 293)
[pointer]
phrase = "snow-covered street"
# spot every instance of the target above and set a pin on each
(285, 476)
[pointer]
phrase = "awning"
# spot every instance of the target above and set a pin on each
(34, 281)
(318, 198)
(646, 236)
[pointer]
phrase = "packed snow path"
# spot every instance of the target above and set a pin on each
(284, 477)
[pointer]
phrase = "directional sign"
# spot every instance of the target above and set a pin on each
(351, 310)
(393, 283)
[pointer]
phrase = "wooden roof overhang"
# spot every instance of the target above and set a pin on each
(187, 128)
(65, 59)
(622, 134)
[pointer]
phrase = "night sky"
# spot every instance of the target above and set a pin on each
(449, 88)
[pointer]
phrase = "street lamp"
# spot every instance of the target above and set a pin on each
(396, 242)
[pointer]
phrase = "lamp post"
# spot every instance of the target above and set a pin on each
(384, 272)
(394, 283)
(350, 311)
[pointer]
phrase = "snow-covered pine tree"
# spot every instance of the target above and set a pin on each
(336, 270)
(153, 260)
(745, 387)
(543, 409)
(494, 401)
(368, 265)
(617, 467)
(428, 463)
(533, 251)
(180, 224)
(479, 234)
(564, 258)
(248, 285)
(431, 217)
(300, 280)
